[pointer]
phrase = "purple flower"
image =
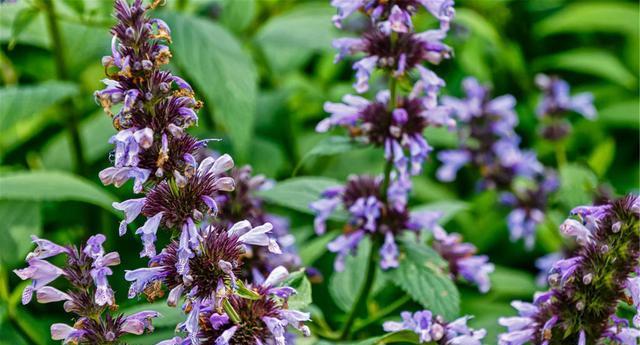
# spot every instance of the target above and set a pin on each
(433, 328)
(453, 160)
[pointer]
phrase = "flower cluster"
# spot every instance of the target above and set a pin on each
(89, 297)
(243, 203)
(387, 219)
(432, 328)
(556, 103)
(392, 121)
(489, 143)
(587, 287)
(215, 266)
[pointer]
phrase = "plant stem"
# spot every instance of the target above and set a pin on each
(361, 301)
(57, 47)
(383, 312)
(561, 154)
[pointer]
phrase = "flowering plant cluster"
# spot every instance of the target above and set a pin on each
(89, 298)
(587, 288)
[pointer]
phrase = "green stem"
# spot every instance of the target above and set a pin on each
(57, 48)
(561, 154)
(361, 301)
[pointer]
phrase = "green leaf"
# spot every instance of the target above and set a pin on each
(237, 15)
(76, 5)
(267, 157)
(53, 186)
(302, 299)
(392, 338)
(625, 114)
(18, 103)
(448, 208)
(20, 219)
(577, 185)
(95, 132)
(298, 192)
(611, 17)
(331, 146)
(422, 274)
(22, 20)
(510, 283)
(222, 71)
(314, 248)
(602, 157)
(596, 62)
(290, 38)
(345, 285)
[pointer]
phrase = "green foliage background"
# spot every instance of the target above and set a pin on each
(263, 69)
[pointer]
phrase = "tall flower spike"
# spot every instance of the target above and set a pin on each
(90, 297)
(586, 288)
(393, 122)
(488, 142)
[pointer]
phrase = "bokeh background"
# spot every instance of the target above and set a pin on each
(263, 69)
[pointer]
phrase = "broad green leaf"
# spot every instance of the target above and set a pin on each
(214, 60)
(33, 33)
(314, 248)
(404, 337)
(448, 208)
(441, 137)
(602, 157)
(298, 280)
(237, 15)
(597, 62)
(267, 157)
(606, 16)
(422, 274)
(52, 186)
(510, 283)
(23, 19)
(625, 114)
(290, 38)
(95, 132)
(330, 146)
(577, 184)
(20, 219)
(298, 192)
(18, 103)
(344, 286)
(478, 25)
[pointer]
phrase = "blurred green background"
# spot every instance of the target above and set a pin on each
(263, 69)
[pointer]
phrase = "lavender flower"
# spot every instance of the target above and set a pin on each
(586, 288)
(394, 122)
(431, 328)
(489, 143)
(556, 103)
(90, 297)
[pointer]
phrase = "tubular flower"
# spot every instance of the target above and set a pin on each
(587, 287)
(393, 122)
(157, 106)
(433, 329)
(556, 103)
(90, 297)
(490, 144)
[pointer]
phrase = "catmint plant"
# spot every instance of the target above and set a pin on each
(587, 287)
(489, 143)
(89, 297)
(208, 263)
(432, 329)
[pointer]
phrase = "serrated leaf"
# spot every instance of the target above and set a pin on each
(298, 192)
(422, 274)
(345, 285)
(625, 114)
(614, 17)
(448, 208)
(53, 186)
(290, 38)
(602, 156)
(596, 62)
(577, 184)
(20, 219)
(302, 299)
(225, 74)
(18, 103)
